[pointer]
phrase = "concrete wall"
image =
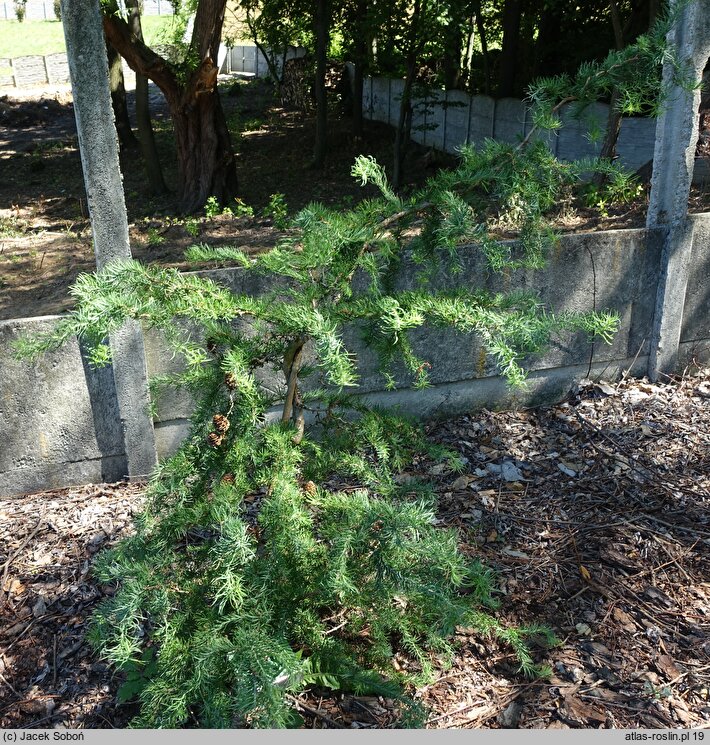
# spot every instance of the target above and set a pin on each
(59, 418)
(247, 59)
(446, 119)
(43, 10)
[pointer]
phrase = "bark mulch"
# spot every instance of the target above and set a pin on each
(593, 514)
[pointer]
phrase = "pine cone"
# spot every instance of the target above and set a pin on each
(228, 478)
(310, 488)
(220, 423)
(230, 381)
(214, 439)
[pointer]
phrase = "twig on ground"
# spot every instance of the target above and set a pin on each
(6, 565)
(314, 712)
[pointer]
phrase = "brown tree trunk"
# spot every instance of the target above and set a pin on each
(146, 138)
(126, 138)
(206, 163)
(321, 29)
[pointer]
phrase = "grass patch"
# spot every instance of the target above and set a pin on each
(47, 37)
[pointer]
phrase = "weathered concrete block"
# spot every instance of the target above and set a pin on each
(481, 119)
(59, 420)
(509, 120)
(696, 313)
(55, 415)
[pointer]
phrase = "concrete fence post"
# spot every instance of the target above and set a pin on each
(98, 144)
(673, 162)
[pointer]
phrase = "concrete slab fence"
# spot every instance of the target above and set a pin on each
(43, 10)
(60, 423)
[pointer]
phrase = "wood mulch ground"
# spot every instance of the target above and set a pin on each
(593, 514)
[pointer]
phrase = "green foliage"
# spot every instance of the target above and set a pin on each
(240, 209)
(212, 207)
(633, 72)
(20, 10)
(620, 188)
(277, 210)
(192, 226)
(270, 557)
(154, 237)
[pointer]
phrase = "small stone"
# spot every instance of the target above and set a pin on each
(39, 608)
(511, 472)
(576, 674)
(510, 716)
(461, 483)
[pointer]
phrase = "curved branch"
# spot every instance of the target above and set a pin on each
(139, 56)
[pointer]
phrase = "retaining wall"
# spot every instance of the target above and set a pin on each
(59, 422)
(446, 119)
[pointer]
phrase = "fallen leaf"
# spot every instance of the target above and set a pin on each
(461, 483)
(586, 574)
(605, 388)
(624, 619)
(508, 551)
(666, 666)
(39, 608)
(655, 594)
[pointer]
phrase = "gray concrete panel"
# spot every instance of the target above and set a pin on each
(60, 421)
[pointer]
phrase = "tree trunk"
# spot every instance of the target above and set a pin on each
(404, 123)
(452, 51)
(204, 149)
(550, 35)
(613, 126)
(118, 100)
(361, 50)
(151, 161)
(488, 85)
(358, 89)
(206, 163)
(404, 126)
(321, 30)
(509, 55)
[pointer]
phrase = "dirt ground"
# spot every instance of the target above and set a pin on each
(592, 513)
(45, 238)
